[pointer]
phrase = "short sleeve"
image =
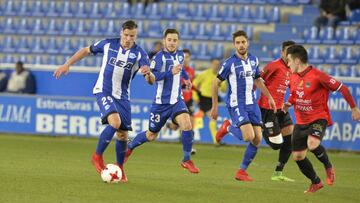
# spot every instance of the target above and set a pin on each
(267, 71)
(143, 58)
(329, 82)
(157, 62)
(98, 47)
(224, 71)
(257, 71)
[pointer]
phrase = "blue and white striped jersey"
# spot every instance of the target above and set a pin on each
(168, 85)
(240, 75)
(118, 67)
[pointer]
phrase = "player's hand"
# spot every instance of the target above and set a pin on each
(64, 69)
(355, 114)
(272, 104)
(286, 107)
(176, 69)
(144, 70)
(214, 113)
(188, 84)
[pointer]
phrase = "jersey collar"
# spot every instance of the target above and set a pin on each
(283, 62)
(308, 69)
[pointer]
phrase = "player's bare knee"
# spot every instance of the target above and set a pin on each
(151, 136)
(248, 137)
(120, 135)
(115, 123)
(312, 146)
(256, 141)
(313, 143)
(298, 156)
(186, 126)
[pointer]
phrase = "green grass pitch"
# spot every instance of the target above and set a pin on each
(58, 169)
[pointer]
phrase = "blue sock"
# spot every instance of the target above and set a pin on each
(187, 138)
(138, 140)
(235, 132)
(105, 138)
(250, 153)
(120, 148)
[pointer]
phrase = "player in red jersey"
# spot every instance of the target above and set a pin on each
(277, 127)
(309, 89)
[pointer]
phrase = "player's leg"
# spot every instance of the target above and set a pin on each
(299, 149)
(157, 119)
(239, 117)
(284, 154)
(314, 145)
(251, 132)
(110, 116)
(120, 148)
(287, 128)
(250, 152)
(182, 118)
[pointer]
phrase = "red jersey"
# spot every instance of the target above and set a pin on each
(187, 94)
(276, 76)
(309, 93)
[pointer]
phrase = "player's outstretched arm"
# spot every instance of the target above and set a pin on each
(214, 90)
(65, 68)
(260, 84)
(355, 113)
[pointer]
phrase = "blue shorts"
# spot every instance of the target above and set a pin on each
(244, 114)
(160, 113)
(108, 104)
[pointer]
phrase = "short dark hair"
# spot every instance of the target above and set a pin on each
(287, 43)
(129, 24)
(187, 51)
(298, 51)
(20, 63)
(171, 31)
(238, 34)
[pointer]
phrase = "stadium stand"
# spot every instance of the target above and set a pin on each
(42, 31)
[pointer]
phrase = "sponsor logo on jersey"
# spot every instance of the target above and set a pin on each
(152, 64)
(120, 63)
(301, 83)
(307, 84)
(244, 74)
(132, 55)
(300, 93)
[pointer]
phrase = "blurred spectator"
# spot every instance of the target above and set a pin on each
(331, 13)
(203, 85)
(3, 81)
(21, 80)
(157, 48)
(145, 2)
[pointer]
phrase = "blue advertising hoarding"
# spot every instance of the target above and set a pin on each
(64, 116)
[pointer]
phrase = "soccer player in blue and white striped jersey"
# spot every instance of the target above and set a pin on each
(122, 59)
(167, 66)
(241, 72)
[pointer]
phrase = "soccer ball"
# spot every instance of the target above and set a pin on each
(111, 174)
